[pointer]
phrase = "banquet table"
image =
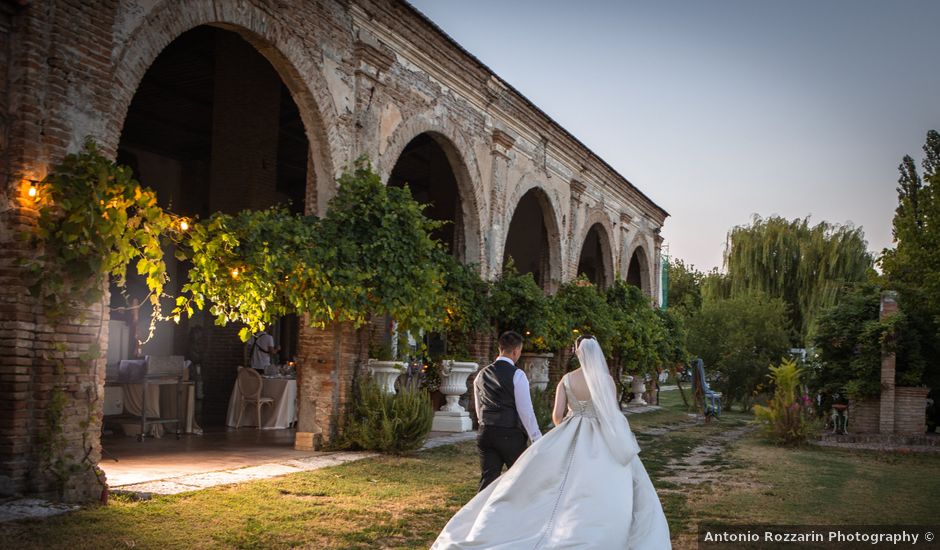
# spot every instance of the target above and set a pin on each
(279, 415)
(161, 403)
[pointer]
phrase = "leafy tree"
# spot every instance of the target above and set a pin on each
(633, 348)
(467, 304)
(806, 266)
(579, 308)
(518, 303)
(378, 255)
(740, 337)
(685, 288)
(913, 267)
(849, 343)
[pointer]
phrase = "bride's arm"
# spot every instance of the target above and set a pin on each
(561, 404)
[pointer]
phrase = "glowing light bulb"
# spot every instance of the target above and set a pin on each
(184, 225)
(33, 191)
(235, 272)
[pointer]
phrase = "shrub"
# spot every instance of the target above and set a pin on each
(739, 337)
(388, 423)
(787, 418)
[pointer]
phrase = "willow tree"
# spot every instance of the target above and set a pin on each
(807, 266)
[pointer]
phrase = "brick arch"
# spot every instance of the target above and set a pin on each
(463, 162)
(647, 265)
(600, 221)
(274, 41)
(551, 214)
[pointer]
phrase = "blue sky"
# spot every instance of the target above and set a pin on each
(723, 109)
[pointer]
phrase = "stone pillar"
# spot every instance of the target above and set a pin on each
(889, 307)
(577, 190)
(623, 262)
(494, 235)
(657, 282)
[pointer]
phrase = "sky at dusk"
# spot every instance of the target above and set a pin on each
(723, 109)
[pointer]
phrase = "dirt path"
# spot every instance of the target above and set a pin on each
(704, 463)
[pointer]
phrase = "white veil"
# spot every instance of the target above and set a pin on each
(614, 426)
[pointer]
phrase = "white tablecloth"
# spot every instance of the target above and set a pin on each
(161, 403)
(278, 415)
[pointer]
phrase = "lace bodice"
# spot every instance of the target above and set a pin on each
(576, 407)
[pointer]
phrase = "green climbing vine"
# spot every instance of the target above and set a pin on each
(94, 221)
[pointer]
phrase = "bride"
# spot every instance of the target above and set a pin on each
(582, 485)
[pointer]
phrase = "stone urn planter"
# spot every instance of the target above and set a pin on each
(385, 373)
(535, 366)
(638, 387)
(452, 417)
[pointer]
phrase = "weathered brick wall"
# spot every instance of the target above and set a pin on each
(910, 406)
(327, 360)
(864, 416)
(367, 76)
(55, 77)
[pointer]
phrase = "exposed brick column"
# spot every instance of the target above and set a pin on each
(889, 307)
(327, 361)
(52, 62)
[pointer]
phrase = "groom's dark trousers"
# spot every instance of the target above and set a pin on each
(502, 438)
(498, 446)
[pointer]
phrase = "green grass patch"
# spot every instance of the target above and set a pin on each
(404, 502)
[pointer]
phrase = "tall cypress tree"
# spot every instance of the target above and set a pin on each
(913, 266)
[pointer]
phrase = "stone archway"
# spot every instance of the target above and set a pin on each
(638, 269)
(533, 238)
(312, 104)
(283, 50)
(419, 150)
(595, 260)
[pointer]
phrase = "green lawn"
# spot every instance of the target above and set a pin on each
(403, 502)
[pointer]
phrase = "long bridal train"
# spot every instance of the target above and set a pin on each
(568, 490)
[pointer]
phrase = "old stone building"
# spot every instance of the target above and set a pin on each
(221, 105)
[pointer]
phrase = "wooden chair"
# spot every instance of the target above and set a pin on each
(249, 385)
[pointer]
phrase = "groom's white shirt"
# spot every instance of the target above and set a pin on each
(520, 386)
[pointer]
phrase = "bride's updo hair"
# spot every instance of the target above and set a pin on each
(583, 337)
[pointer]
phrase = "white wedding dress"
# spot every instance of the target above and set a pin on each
(568, 490)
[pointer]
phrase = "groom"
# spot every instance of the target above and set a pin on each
(504, 409)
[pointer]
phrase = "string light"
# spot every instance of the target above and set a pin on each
(235, 273)
(184, 225)
(33, 190)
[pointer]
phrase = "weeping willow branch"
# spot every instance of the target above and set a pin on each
(807, 266)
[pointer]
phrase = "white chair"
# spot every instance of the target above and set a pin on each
(249, 385)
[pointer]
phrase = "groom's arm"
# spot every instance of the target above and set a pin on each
(476, 398)
(524, 405)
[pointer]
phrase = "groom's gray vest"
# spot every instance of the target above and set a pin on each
(495, 387)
